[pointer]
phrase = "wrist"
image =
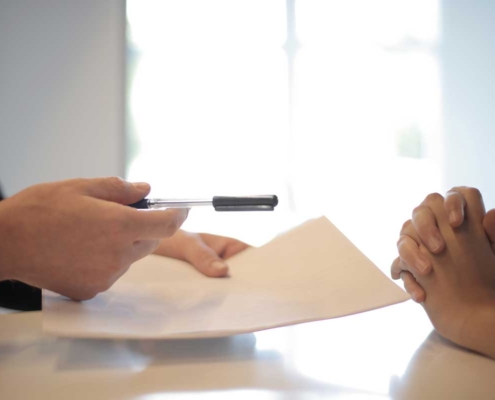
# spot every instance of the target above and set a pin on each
(479, 330)
(7, 267)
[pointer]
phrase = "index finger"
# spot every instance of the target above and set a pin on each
(425, 224)
(474, 207)
(225, 247)
(454, 205)
(234, 248)
(157, 224)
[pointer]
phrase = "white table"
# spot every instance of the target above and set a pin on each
(387, 353)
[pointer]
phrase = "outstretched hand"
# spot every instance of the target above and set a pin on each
(206, 252)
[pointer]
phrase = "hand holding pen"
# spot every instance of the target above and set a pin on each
(74, 237)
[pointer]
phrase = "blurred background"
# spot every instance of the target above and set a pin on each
(353, 109)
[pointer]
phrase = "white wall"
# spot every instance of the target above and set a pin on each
(468, 71)
(61, 90)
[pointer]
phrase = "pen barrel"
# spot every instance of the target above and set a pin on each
(177, 203)
(250, 203)
(220, 203)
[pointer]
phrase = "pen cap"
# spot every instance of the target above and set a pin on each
(248, 203)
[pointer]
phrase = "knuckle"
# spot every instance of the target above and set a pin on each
(456, 196)
(403, 252)
(80, 181)
(488, 227)
(433, 198)
(489, 217)
(405, 227)
(405, 248)
(117, 183)
(395, 268)
(407, 224)
(78, 184)
(418, 210)
(474, 192)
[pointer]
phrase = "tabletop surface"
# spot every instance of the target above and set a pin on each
(382, 354)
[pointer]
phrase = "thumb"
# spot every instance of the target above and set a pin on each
(206, 260)
(116, 189)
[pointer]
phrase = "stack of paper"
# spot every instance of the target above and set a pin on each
(310, 273)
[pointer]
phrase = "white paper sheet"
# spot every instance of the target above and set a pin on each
(310, 273)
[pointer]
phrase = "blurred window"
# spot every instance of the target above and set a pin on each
(332, 105)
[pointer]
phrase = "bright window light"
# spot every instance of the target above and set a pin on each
(332, 106)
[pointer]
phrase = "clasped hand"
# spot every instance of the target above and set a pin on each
(447, 262)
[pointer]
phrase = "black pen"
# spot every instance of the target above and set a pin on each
(220, 203)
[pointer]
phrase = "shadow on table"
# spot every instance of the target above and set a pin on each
(103, 353)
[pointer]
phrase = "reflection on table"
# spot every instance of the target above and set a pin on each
(387, 353)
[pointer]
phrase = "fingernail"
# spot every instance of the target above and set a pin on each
(414, 296)
(141, 185)
(218, 265)
(422, 265)
(454, 217)
(434, 244)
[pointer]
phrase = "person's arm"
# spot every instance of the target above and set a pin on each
(460, 288)
(205, 252)
(17, 295)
